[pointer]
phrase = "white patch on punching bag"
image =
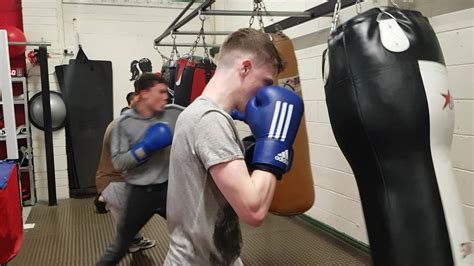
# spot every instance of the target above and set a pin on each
(392, 36)
(441, 112)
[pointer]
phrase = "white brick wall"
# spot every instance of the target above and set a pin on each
(122, 34)
(41, 22)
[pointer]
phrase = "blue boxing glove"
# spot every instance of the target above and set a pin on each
(274, 116)
(155, 138)
(236, 115)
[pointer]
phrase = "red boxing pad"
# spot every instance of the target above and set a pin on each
(191, 79)
(202, 75)
(11, 227)
(10, 5)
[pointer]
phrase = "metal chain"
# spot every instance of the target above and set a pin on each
(358, 5)
(260, 21)
(252, 18)
(204, 44)
(266, 11)
(335, 17)
(164, 58)
(394, 4)
(202, 35)
(259, 8)
(174, 49)
(195, 43)
(259, 14)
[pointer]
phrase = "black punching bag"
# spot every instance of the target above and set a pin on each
(392, 114)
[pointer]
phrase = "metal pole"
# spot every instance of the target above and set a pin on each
(30, 43)
(48, 130)
(316, 12)
(187, 45)
(183, 22)
(180, 15)
(255, 13)
(7, 98)
(206, 32)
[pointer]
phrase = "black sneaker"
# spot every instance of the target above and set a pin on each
(143, 244)
(99, 205)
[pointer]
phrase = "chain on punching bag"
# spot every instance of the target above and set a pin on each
(193, 72)
(392, 114)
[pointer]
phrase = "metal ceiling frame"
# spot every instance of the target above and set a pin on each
(294, 19)
(316, 12)
(175, 25)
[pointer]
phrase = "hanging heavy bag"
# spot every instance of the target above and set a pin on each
(392, 114)
(168, 69)
(294, 194)
(86, 87)
(191, 78)
(168, 72)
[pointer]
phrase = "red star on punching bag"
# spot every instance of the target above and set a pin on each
(448, 100)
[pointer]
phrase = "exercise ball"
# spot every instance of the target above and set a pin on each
(14, 34)
(10, 5)
(58, 110)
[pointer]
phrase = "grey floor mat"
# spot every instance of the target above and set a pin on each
(73, 234)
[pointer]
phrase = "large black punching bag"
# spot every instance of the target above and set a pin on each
(392, 114)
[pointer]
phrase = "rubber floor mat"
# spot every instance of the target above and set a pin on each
(73, 234)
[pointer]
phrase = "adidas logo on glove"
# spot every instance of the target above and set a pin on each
(282, 157)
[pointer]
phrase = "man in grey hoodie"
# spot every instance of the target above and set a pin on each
(140, 149)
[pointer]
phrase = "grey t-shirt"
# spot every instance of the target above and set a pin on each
(204, 228)
(128, 131)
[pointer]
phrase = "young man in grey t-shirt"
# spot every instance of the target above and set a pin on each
(210, 187)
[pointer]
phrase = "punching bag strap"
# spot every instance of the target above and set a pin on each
(392, 36)
(81, 58)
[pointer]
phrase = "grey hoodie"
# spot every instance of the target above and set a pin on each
(129, 130)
